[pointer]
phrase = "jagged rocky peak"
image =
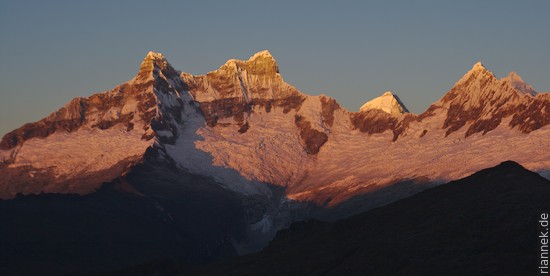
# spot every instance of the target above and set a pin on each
(388, 103)
(478, 72)
(154, 59)
(125, 106)
(477, 87)
(237, 86)
(479, 78)
(261, 63)
(478, 66)
(154, 62)
(479, 102)
(155, 56)
(516, 82)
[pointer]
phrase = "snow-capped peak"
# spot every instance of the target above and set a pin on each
(478, 71)
(515, 81)
(154, 56)
(478, 66)
(153, 61)
(388, 103)
(262, 54)
(264, 62)
(260, 63)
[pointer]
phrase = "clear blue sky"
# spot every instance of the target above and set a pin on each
(52, 51)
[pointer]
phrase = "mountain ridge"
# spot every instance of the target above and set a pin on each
(233, 66)
(513, 80)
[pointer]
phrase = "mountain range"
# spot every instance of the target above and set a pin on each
(242, 154)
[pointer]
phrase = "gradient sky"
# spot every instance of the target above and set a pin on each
(53, 51)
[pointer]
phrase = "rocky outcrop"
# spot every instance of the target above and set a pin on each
(378, 121)
(534, 114)
(328, 107)
(374, 121)
(311, 139)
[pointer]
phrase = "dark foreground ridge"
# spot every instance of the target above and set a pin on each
(151, 213)
(484, 224)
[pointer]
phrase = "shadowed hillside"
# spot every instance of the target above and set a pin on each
(484, 224)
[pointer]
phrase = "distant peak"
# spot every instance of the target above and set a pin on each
(514, 75)
(516, 82)
(260, 63)
(478, 66)
(478, 71)
(151, 62)
(263, 61)
(388, 103)
(154, 56)
(262, 54)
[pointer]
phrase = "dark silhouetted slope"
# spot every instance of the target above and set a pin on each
(484, 224)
